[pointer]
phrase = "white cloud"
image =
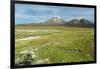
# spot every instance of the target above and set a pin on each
(26, 16)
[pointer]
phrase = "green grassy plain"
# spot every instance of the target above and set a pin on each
(63, 45)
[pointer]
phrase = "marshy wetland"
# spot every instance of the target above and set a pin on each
(53, 44)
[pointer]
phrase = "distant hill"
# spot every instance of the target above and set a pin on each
(56, 20)
(80, 23)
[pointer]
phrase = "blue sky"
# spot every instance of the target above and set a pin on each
(25, 13)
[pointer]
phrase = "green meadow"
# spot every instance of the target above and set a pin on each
(53, 44)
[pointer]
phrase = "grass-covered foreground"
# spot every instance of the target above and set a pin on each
(53, 44)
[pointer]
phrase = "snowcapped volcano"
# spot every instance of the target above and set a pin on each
(56, 20)
(56, 17)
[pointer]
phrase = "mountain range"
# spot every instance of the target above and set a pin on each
(57, 20)
(74, 22)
